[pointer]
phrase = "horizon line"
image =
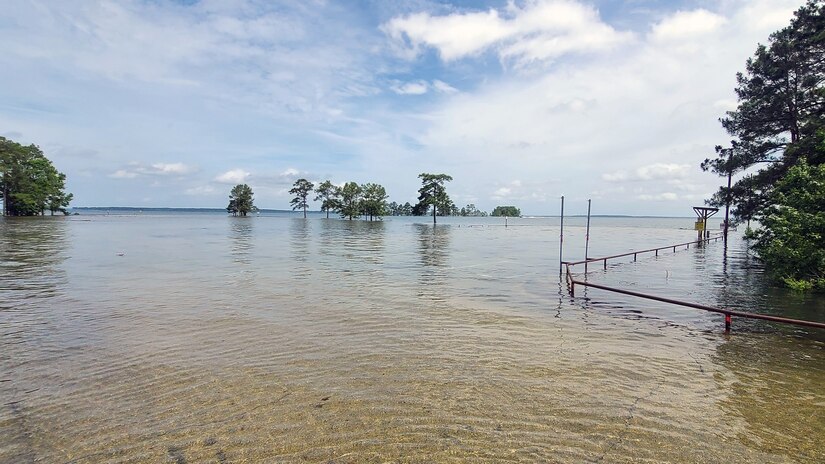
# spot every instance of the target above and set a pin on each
(172, 208)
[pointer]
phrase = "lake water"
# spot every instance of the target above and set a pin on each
(205, 338)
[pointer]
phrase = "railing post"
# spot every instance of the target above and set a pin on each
(561, 233)
(587, 237)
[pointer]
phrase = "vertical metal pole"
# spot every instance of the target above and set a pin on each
(561, 234)
(587, 237)
(705, 228)
(727, 196)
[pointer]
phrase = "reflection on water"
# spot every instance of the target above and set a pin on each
(32, 250)
(273, 339)
(240, 238)
(433, 243)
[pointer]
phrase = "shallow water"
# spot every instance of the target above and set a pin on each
(202, 338)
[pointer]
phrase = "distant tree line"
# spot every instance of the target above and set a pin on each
(369, 200)
(30, 184)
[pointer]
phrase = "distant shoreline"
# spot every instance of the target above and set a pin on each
(266, 210)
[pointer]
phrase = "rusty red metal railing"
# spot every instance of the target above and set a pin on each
(638, 252)
(728, 313)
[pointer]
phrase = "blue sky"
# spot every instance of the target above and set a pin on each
(171, 103)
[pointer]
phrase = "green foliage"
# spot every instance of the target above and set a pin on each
(471, 210)
(374, 201)
(433, 194)
(780, 114)
(30, 184)
(396, 209)
(301, 190)
(509, 211)
(420, 209)
(792, 239)
(350, 201)
(330, 196)
(240, 200)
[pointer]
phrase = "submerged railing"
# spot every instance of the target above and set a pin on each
(572, 282)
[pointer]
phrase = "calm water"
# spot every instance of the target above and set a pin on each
(202, 338)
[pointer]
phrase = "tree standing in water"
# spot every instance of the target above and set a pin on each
(329, 195)
(350, 205)
(301, 190)
(240, 200)
(375, 200)
(433, 193)
(29, 182)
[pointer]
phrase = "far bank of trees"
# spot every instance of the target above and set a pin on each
(30, 185)
(352, 200)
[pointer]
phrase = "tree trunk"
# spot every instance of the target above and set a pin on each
(305, 212)
(434, 207)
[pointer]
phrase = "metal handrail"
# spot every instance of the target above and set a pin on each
(638, 252)
(727, 312)
(571, 285)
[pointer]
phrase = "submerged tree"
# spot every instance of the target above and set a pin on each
(301, 190)
(433, 194)
(780, 123)
(791, 240)
(350, 204)
(30, 184)
(240, 200)
(509, 211)
(374, 202)
(329, 194)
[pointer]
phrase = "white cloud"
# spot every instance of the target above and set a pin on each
(172, 168)
(201, 190)
(685, 25)
(410, 88)
(502, 193)
(665, 196)
(123, 174)
(443, 87)
(290, 172)
(136, 169)
(655, 171)
(540, 30)
(663, 171)
(234, 176)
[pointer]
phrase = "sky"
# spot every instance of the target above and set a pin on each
(162, 103)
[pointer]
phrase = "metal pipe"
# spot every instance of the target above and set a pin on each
(561, 235)
(727, 196)
(587, 237)
(601, 258)
(726, 312)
